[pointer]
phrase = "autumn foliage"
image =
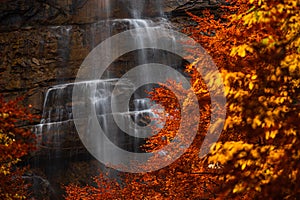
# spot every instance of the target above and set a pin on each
(258, 54)
(256, 46)
(15, 143)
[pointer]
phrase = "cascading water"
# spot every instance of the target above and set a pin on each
(58, 141)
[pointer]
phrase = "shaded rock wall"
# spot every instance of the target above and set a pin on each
(36, 58)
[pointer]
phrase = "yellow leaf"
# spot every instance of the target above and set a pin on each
(258, 188)
(292, 68)
(242, 52)
(265, 41)
(267, 136)
(238, 188)
(254, 77)
(273, 78)
(243, 166)
(251, 85)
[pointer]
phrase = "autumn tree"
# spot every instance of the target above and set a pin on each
(258, 53)
(15, 143)
(185, 178)
(255, 45)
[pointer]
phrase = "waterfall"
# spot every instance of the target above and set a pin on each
(57, 134)
(57, 110)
